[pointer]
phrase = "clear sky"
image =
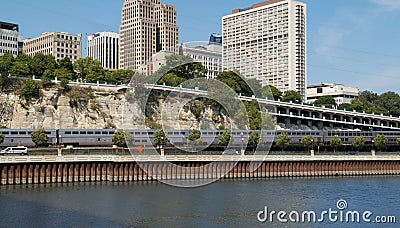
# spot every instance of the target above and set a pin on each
(355, 42)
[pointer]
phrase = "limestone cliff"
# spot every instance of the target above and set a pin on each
(83, 108)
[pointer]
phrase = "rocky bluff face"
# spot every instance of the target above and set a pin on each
(84, 108)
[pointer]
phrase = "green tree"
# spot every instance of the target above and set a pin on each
(40, 138)
(309, 141)
(49, 73)
(276, 93)
(283, 141)
(95, 71)
(194, 135)
(171, 79)
(367, 101)
(368, 97)
(64, 84)
(336, 142)
(345, 106)
(183, 67)
(122, 138)
(41, 62)
(269, 122)
(61, 73)
(1, 138)
(235, 82)
(46, 82)
(80, 66)
(359, 106)
(6, 63)
(292, 95)
(398, 141)
(197, 108)
(258, 120)
(22, 65)
(194, 138)
(254, 139)
(257, 89)
(359, 143)
(89, 69)
(254, 115)
(326, 101)
(30, 89)
(160, 138)
(119, 76)
(380, 142)
(221, 128)
(390, 101)
(66, 64)
(225, 138)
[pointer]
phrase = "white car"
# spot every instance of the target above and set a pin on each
(15, 150)
(230, 152)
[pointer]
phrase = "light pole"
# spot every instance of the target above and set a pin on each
(161, 144)
(372, 148)
(312, 147)
(242, 151)
(59, 151)
(372, 145)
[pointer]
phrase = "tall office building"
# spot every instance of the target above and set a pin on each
(147, 26)
(267, 41)
(58, 44)
(9, 38)
(104, 47)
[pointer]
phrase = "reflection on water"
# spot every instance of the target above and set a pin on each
(222, 204)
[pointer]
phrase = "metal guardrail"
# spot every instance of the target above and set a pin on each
(192, 158)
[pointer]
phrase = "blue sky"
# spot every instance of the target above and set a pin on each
(355, 42)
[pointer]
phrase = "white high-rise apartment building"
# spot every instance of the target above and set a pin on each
(268, 41)
(147, 27)
(9, 38)
(104, 47)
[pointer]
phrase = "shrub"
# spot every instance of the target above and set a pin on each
(30, 89)
(39, 138)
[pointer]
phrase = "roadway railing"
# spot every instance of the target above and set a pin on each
(192, 158)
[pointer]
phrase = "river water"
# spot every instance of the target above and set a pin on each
(222, 204)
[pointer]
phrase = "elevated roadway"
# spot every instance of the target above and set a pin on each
(288, 113)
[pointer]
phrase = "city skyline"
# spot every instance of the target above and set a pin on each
(347, 41)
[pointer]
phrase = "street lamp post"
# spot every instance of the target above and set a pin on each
(59, 151)
(372, 148)
(312, 147)
(161, 148)
(242, 151)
